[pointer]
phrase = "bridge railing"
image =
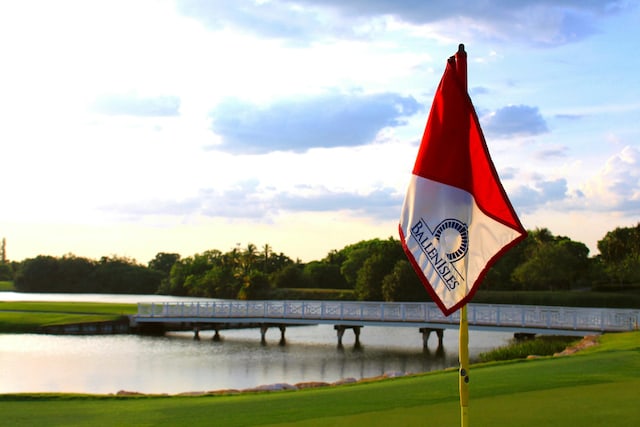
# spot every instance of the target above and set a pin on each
(540, 317)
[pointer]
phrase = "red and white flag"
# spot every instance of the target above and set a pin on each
(456, 219)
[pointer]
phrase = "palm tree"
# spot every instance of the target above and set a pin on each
(248, 258)
(266, 253)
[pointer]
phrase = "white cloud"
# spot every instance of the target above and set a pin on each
(616, 187)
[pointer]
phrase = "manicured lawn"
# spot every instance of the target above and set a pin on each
(24, 317)
(69, 307)
(597, 387)
(629, 298)
(6, 285)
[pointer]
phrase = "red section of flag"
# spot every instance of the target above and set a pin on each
(453, 150)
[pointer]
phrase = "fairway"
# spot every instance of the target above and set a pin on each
(30, 317)
(596, 387)
(557, 407)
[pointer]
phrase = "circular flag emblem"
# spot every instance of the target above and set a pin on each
(453, 238)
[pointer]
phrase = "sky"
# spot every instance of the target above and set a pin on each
(129, 128)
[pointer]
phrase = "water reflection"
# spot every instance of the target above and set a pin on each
(176, 363)
(239, 359)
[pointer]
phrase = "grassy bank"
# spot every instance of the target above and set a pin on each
(313, 294)
(27, 317)
(543, 345)
(628, 298)
(596, 387)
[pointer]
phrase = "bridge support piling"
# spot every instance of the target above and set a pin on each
(340, 330)
(282, 331)
(426, 332)
(263, 333)
(356, 331)
(216, 335)
(196, 333)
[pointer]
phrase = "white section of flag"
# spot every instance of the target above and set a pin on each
(432, 203)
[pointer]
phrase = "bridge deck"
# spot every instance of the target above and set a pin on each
(516, 318)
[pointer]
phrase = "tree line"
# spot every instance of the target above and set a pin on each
(372, 270)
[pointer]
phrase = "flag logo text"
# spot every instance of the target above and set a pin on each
(444, 246)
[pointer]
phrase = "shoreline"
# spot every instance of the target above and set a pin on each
(586, 342)
(589, 389)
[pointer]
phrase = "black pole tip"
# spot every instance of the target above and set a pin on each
(461, 47)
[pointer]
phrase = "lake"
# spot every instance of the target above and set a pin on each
(177, 363)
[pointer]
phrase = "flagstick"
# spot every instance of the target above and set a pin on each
(464, 367)
(461, 70)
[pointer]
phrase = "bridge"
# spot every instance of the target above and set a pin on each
(523, 320)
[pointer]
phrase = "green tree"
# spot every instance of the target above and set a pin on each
(290, 276)
(500, 275)
(221, 283)
(370, 277)
(75, 274)
(552, 264)
(353, 258)
(6, 272)
(174, 284)
(217, 282)
(123, 275)
(620, 254)
(403, 284)
(575, 260)
(248, 259)
(276, 262)
(335, 257)
(163, 262)
(256, 286)
(383, 255)
(7, 268)
(39, 274)
(3, 251)
(187, 275)
(319, 274)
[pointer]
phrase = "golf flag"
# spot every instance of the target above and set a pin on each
(456, 219)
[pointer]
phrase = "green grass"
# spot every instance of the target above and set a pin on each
(544, 345)
(597, 387)
(313, 294)
(623, 299)
(6, 285)
(26, 317)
